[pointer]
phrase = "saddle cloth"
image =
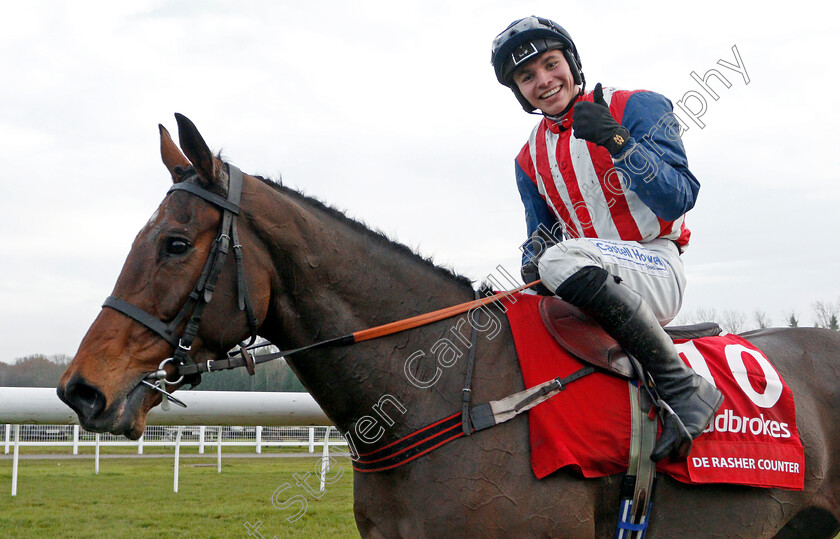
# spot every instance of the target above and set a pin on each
(753, 439)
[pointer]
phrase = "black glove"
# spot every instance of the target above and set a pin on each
(530, 273)
(539, 242)
(594, 123)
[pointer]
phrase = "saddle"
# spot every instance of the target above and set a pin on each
(587, 341)
(584, 339)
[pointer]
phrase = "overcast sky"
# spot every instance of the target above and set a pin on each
(390, 110)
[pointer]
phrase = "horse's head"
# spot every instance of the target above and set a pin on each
(169, 261)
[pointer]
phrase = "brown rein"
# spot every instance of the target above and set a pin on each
(244, 359)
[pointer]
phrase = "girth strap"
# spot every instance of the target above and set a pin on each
(483, 416)
(410, 447)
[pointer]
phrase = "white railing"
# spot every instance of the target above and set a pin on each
(72, 436)
(201, 436)
(36, 417)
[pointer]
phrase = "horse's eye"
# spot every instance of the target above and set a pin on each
(177, 246)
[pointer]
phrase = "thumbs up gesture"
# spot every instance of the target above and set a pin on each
(594, 123)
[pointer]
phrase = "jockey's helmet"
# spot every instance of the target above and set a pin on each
(522, 41)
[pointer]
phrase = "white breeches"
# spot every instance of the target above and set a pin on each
(652, 269)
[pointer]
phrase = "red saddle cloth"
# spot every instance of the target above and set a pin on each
(752, 441)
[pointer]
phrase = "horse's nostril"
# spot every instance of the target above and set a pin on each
(85, 399)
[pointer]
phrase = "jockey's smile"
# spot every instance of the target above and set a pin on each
(547, 82)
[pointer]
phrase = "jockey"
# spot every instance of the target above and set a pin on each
(607, 168)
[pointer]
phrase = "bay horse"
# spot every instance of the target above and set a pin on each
(313, 273)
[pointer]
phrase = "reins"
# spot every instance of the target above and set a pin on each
(391, 328)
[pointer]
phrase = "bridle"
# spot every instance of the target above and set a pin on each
(202, 292)
(186, 368)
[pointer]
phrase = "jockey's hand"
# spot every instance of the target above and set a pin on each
(531, 272)
(594, 123)
(538, 243)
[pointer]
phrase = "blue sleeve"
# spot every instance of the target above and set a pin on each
(537, 211)
(654, 163)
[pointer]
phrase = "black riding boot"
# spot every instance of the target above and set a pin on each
(628, 319)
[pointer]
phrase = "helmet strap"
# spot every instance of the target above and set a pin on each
(577, 74)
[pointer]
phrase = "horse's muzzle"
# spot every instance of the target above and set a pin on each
(84, 398)
(123, 416)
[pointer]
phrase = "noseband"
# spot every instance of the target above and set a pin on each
(202, 293)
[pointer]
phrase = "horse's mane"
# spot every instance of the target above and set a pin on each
(359, 226)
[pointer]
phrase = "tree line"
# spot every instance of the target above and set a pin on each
(34, 371)
(42, 371)
(824, 315)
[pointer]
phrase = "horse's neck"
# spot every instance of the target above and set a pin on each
(338, 277)
(333, 278)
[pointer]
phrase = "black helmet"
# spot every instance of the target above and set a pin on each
(523, 40)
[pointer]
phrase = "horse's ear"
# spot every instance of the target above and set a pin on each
(171, 154)
(196, 149)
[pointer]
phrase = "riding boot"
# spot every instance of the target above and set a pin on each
(629, 320)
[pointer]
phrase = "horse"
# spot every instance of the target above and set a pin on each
(313, 273)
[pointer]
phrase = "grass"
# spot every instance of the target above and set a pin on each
(134, 498)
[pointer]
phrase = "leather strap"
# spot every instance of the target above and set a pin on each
(244, 298)
(492, 413)
(197, 190)
(445, 430)
(205, 287)
(466, 392)
(236, 360)
(371, 333)
(637, 486)
(138, 314)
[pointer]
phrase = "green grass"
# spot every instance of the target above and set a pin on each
(134, 498)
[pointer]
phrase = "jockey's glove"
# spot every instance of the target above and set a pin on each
(537, 244)
(594, 123)
(531, 272)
